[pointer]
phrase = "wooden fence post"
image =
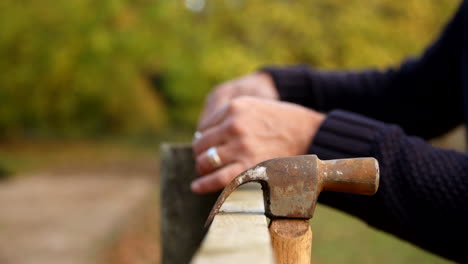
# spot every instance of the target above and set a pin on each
(183, 213)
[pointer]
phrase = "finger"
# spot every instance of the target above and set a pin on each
(219, 97)
(213, 136)
(211, 106)
(225, 153)
(214, 118)
(217, 180)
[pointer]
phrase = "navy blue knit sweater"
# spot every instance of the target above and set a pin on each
(423, 194)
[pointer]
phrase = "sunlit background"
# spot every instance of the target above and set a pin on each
(88, 90)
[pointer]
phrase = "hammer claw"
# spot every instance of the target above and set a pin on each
(254, 174)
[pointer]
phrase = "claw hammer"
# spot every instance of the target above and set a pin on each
(291, 187)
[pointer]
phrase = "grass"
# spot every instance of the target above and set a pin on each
(340, 238)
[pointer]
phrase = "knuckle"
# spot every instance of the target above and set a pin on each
(233, 107)
(199, 165)
(244, 145)
(235, 127)
(247, 149)
(238, 104)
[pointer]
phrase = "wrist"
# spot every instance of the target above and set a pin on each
(316, 120)
(310, 125)
(267, 85)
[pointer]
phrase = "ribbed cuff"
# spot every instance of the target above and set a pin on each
(346, 135)
(295, 84)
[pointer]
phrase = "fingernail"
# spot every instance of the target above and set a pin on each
(195, 186)
(197, 135)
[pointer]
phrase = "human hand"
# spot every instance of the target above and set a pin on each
(249, 130)
(257, 84)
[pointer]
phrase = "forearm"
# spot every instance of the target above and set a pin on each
(423, 190)
(405, 96)
(424, 96)
(327, 90)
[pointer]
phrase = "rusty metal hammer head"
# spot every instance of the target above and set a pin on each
(292, 185)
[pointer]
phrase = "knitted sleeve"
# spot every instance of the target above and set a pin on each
(423, 193)
(423, 96)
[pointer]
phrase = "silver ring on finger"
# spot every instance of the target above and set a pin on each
(213, 157)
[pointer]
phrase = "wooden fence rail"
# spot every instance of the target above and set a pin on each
(239, 233)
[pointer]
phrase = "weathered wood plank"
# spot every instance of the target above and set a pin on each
(239, 233)
(183, 213)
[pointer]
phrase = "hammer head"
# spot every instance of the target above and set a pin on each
(291, 185)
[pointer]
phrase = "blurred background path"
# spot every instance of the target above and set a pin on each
(99, 209)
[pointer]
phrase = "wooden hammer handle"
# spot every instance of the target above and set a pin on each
(291, 241)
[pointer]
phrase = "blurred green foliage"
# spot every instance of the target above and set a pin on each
(131, 67)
